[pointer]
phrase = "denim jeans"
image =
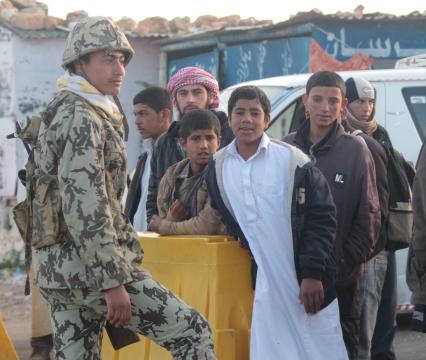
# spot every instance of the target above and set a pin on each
(384, 333)
(370, 293)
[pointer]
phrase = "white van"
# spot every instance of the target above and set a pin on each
(415, 61)
(400, 108)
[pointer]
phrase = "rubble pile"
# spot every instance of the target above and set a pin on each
(33, 15)
(28, 15)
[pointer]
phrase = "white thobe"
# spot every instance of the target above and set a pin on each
(139, 219)
(259, 191)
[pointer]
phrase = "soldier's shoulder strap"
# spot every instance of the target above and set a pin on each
(50, 111)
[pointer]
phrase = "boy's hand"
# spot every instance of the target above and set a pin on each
(178, 211)
(155, 223)
(311, 295)
(119, 309)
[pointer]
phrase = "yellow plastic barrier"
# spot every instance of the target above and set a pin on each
(212, 274)
(7, 350)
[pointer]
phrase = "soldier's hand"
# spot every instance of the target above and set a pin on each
(119, 309)
(311, 295)
(178, 211)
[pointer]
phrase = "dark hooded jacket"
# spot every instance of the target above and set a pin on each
(349, 169)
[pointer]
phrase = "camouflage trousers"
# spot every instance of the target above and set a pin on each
(79, 315)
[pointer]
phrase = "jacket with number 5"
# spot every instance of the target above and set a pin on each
(313, 218)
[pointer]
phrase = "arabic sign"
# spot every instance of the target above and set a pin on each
(378, 40)
(264, 59)
(251, 61)
(206, 61)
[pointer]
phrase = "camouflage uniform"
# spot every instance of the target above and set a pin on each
(81, 167)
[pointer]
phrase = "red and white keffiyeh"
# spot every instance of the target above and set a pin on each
(192, 75)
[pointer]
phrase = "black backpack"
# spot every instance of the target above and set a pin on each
(400, 179)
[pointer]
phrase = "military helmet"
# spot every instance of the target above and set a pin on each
(93, 34)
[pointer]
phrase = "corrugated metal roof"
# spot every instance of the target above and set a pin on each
(60, 32)
(213, 33)
(147, 36)
(297, 25)
(377, 16)
(299, 18)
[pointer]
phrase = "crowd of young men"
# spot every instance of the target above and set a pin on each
(311, 210)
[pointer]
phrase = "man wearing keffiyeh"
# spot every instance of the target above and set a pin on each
(190, 88)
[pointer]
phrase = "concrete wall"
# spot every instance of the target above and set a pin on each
(36, 68)
(7, 147)
(142, 71)
(10, 241)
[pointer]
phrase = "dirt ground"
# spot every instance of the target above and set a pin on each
(16, 311)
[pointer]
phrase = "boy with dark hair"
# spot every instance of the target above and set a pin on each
(183, 202)
(252, 93)
(153, 110)
(279, 206)
(349, 169)
(189, 88)
(156, 97)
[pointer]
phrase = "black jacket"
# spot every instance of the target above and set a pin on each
(168, 151)
(348, 167)
(313, 222)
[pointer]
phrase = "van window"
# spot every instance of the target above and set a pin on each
(288, 120)
(281, 125)
(415, 98)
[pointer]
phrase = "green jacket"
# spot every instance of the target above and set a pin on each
(83, 150)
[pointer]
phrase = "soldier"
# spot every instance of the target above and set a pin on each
(87, 254)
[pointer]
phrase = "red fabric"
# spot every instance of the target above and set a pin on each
(193, 75)
(321, 60)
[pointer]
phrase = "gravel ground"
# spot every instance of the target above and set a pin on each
(16, 310)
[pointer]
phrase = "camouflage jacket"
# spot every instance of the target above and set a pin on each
(82, 148)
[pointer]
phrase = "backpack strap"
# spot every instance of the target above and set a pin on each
(356, 132)
(29, 135)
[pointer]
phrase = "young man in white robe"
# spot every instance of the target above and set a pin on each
(280, 207)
